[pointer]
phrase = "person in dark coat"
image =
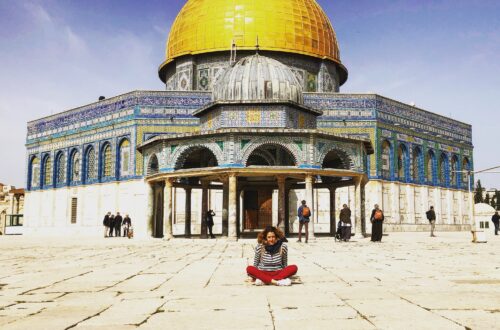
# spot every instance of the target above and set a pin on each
(431, 216)
(496, 221)
(127, 223)
(210, 222)
(105, 223)
(377, 219)
(345, 223)
(118, 224)
(111, 225)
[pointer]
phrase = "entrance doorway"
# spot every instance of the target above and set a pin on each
(258, 209)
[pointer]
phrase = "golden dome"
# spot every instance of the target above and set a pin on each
(293, 26)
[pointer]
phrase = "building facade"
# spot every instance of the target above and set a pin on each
(84, 162)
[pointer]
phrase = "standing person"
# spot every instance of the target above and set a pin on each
(118, 224)
(210, 222)
(111, 225)
(496, 220)
(304, 214)
(127, 223)
(431, 216)
(270, 264)
(105, 223)
(345, 223)
(377, 219)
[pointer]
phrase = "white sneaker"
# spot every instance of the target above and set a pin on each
(285, 282)
(258, 282)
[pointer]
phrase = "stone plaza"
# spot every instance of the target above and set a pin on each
(409, 281)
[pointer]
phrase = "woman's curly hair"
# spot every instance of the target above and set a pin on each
(261, 238)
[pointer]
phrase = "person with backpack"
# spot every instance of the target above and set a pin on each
(304, 214)
(345, 223)
(377, 219)
(127, 223)
(270, 264)
(431, 216)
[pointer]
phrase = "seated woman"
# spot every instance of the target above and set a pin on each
(270, 264)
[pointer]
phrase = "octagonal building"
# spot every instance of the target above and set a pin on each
(250, 122)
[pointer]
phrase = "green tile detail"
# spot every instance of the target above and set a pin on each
(172, 148)
(244, 143)
(221, 145)
(299, 143)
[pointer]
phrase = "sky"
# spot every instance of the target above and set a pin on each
(442, 55)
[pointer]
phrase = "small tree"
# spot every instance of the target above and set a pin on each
(493, 201)
(478, 194)
(497, 199)
(487, 198)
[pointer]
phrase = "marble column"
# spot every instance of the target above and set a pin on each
(310, 202)
(287, 211)
(281, 202)
(187, 212)
(149, 212)
(204, 208)
(167, 207)
(232, 207)
(225, 203)
(333, 220)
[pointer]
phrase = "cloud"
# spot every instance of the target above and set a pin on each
(39, 13)
(75, 42)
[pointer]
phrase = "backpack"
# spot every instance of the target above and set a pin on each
(378, 215)
(306, 212)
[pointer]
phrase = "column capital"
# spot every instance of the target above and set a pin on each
(169, 181)
(310, 178)
(224, 178)
(204, 184)
(281, 178)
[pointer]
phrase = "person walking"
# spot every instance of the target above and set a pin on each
(105, 223)
(304, 214)
(111, 225)
(496, 220)
(377, 219)
(270, 264)
(118, 224)
(127, 223)
(345, 223)
(210, 222)
(431, 216)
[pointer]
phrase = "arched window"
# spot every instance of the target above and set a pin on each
(90, 164)
(74, 172)
(443, 169)
(124, 158)
(153, 166)
(465, 167)
(60, 168)
(47, 171)
(107, 170)
(386, 160)
(429, 167)
(415, 165)
(453, 172)
(35, 172)
(402, 162)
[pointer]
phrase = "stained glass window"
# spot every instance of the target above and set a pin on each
(107, 161)
(443, 164)
(430, 167)
(61, 169)
(125, 158)
(35, 172)
(75, 167)
(465, 167)
(386, 160)
(453, 171)
(417, 154)
(402, 162)
(47, 172)
(91, 164)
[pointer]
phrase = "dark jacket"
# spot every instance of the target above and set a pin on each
(118, 221)
(495, 218)
(210, 218)
(112, 221)
(372, 218)
(345, 215)
(431, 215)
(127, 222)
(105, 222)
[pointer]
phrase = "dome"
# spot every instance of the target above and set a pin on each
(292, 26)
(258, 78)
